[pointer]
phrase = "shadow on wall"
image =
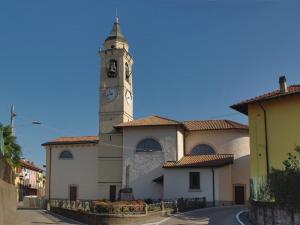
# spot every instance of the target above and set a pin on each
(143, 185)
(243, 161)
(6, 172)
(8, 195)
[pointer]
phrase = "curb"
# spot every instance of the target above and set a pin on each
(237, 216)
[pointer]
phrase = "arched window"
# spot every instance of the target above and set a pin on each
(66, 155)
(112, 68)
(148, 145)
(127, 72)
(203, 149)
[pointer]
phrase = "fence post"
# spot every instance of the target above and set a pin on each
(176, 206)
(146, 209)
(162, 206)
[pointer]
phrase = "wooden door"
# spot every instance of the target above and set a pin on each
(112, 192)
(239, 194)
(73, 193)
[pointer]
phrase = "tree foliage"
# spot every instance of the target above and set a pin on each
(284, 184)
(12, 151)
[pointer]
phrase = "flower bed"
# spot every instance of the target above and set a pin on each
(105, 207)
(119, 207)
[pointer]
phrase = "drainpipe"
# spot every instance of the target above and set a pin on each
(213, 183)
(49, 185)
(266, 137)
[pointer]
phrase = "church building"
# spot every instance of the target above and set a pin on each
(152, 157)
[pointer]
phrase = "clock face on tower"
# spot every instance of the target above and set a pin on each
(128, 97)
(110, 94)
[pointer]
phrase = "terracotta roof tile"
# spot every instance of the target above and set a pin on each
(150, 121)
(189, 125)
(199, 161)
(213, 125)
(30, 165)
(73, 140)
(243, 105)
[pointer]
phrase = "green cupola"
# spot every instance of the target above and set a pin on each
(116, 33)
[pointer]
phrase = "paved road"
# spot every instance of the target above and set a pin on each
(212, 216)
(39, 217)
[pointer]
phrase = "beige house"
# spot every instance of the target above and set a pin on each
(153, 157)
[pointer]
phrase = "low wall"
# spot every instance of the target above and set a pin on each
(8, 203)
(97, 219)
(8, 194)
(266, 213)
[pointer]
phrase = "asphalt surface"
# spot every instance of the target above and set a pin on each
(40, 217)
(212, 216)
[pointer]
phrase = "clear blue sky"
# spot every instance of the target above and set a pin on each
(192, 60)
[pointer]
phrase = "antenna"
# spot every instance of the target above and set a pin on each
(12, 116)
(117, 18)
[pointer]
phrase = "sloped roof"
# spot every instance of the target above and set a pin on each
(116, 32)
(243, 105)
(199, 161)
(30, 165)
(73, 140)
(192, 125)
(150, 121)
(195, 125)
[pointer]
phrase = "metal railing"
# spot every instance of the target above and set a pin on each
(112, 208)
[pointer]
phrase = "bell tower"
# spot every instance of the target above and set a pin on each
(116, 98)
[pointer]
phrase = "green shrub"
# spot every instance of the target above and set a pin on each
(283, 185)
(148, 201)
(101, 207)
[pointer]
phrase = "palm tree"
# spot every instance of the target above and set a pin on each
(11, 153)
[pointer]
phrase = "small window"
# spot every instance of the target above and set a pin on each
(127, 72)
(66, 155)
(194, 180)
(148, 145)
(203, 149)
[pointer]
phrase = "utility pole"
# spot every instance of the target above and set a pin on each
(12, 116)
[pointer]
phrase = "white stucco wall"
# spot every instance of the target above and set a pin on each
(146, 166)
(176, 183)
(230, 142)
(81, 171)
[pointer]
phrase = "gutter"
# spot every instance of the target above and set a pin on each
(213, 183)
(266, 137)
(49, 187)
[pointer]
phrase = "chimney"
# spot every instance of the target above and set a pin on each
(283, 85)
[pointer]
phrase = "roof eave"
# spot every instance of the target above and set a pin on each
(243, 107)
(150, 125)
(221, 129)
(230, 161)
(69, 143)
(198, 166)
(117, 38)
